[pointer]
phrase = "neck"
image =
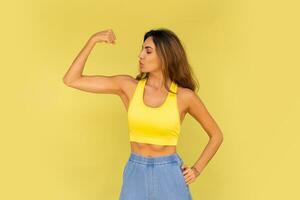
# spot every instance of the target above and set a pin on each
(157, 81)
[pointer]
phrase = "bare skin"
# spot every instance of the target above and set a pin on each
(154, 95)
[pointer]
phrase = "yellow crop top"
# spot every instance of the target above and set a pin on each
(153, 125)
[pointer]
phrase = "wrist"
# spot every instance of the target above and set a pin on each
(92, 40)
(196, 171)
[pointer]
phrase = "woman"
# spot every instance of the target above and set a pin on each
(156, 100)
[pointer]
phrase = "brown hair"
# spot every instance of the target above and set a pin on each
(175, 64)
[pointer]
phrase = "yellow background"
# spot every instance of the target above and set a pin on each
(59, 143)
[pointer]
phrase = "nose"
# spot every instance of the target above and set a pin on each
(140, 57)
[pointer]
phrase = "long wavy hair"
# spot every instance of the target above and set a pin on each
(174, 61)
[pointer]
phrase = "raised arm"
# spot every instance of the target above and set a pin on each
(94, 83)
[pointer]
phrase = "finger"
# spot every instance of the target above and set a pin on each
(188, 174)
(189, 178)
(191, 181)
(113, 35)
(185, 173)
(186, 170)
(111, 38)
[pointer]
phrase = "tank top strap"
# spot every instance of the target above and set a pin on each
(138, 93)
(141, 86)
(173, 87)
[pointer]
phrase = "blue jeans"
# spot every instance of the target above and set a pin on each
(154, 178)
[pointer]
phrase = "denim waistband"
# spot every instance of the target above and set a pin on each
(155, 160)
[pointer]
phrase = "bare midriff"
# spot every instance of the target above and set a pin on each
(152, 150)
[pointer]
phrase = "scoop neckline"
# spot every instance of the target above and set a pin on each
(164, 102)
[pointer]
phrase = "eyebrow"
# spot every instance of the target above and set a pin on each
(147, 47)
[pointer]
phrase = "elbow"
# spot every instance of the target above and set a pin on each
(221, 139)
(218, 138)
(66, 82)
(69, 81)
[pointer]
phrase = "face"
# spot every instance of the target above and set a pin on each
(149, 60)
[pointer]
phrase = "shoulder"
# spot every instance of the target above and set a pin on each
(195, 104)
(185, 93)
(187, 96)
(124, 79)
(127, 83)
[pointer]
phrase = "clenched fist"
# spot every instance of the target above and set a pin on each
(107, 36)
